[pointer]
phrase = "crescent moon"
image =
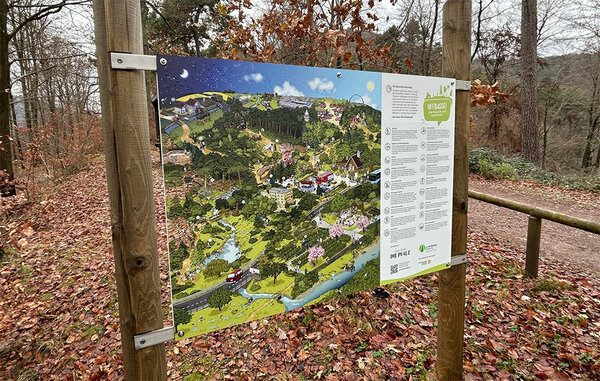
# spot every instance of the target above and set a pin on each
(184, 74)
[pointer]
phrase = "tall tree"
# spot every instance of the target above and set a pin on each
(219, 298)
(5, 151)
(37, 10)
(414, 42)
(274, 269)
(499, 46)
(529, 112)
(181, 26)
(592, 141)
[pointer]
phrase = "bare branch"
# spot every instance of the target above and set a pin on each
(46, 10)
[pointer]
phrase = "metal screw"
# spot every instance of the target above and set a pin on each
(163, 61)
(143, 341)
(119, 60)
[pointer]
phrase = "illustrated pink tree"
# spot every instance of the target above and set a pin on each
(336, 230)
(363, 222)
(315, 253)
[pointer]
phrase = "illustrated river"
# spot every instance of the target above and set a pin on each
(230, 252)
(321, 288)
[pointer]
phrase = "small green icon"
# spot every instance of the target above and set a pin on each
(437, 108)
(422, 248)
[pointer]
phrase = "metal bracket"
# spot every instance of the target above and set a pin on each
(456, 260)
(128, 61)
(462, 85)
(148, 339)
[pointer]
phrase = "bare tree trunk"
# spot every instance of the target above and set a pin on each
(529, 114)
(586, 159)
(5, 151)
(432, 37)
(16, 137)
(545, 142)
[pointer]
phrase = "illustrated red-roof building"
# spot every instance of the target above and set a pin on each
(352, 163)
(180, 108)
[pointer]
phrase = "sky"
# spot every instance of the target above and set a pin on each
(187, 75)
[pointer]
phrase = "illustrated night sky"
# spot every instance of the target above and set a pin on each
(182, 76)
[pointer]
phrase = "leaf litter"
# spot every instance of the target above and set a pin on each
(59, 317)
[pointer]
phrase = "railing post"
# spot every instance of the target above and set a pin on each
(534, 231)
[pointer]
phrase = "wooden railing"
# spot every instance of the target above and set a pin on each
(534, 228)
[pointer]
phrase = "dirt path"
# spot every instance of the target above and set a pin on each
(580, 248)
(185, 136)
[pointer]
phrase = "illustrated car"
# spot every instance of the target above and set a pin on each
(375, 176)
(234, 276)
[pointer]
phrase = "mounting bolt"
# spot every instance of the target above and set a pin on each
(143, 341)
(119, 60)
(163, 61)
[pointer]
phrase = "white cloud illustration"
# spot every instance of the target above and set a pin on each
(256, 77)
(368, 101)
(321, 84)
(287, 89)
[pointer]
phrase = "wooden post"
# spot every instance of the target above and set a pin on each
(456, 63)
(128, 171)
(532, 259)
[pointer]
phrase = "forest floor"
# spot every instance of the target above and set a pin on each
(59, 319)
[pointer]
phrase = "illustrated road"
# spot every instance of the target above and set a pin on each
(200, 300)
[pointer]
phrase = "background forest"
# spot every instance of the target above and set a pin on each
(53, 113)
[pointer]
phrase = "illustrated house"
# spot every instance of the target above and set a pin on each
(192, 106)
(282, 196)
(180, 108)
(352, 164)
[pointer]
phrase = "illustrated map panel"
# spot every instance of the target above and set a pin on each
(273, 177)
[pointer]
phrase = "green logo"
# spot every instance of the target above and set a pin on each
(436, 108)
(422, 248)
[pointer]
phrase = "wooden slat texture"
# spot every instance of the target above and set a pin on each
(456, 63)
(127, 149)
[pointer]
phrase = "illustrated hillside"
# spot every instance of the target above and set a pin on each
(272, 204)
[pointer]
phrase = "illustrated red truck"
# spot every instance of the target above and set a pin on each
(234, 276)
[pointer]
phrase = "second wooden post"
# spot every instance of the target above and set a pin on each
(532, 259)
(456, 63)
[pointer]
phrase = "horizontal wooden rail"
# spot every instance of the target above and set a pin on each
(575, 222)
(534, 228)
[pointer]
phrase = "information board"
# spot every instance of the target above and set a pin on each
(288, 185)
